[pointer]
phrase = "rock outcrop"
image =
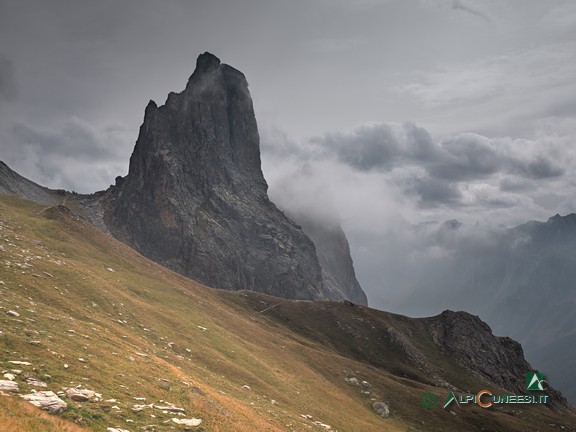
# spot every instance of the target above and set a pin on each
(9, 385)
(187, 422)
(80, 395)
(46, 400)
(470, 341)
(382, 409)
(195, 199)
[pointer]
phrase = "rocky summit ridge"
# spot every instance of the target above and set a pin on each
(195, 199)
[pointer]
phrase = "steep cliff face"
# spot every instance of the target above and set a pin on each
(333, 253)
(196, 201)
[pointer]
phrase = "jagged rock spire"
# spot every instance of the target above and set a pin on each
(196, 201)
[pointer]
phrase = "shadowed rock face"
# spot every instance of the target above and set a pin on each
(196, 201)
(469, 341)
(334, 257)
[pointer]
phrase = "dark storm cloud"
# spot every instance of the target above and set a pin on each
(472, 156)
(380, 147)
(369, 148)
(463, 170)
(8, 87)
(510, 184)
(74, 138)
(540, 168)
(466, 156)
(433, 192)
(71, 154)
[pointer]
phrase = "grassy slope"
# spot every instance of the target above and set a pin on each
(139, 331)
(19, 416)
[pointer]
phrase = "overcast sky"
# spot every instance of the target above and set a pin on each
(397, 111)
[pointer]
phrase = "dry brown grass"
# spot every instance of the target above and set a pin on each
(19, 416)
(295, 354)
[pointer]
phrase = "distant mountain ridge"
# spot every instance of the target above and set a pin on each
(195, 199)
(12, 183)
(522, 281)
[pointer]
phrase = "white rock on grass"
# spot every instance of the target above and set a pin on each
(138, 408)
(116, 430)
(46, 400)
(79, 395)
(382, 409)
(13, 313)
(169, 408)
(352, 381)
(9, 385)
(36, 383)
(10, 376)
(20, 363)
(187, 422)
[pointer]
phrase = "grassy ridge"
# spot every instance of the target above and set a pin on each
(93, 312)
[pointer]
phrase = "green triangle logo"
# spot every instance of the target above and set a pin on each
(449, 399)
(534, 381)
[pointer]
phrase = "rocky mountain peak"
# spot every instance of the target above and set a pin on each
(206, 62)
(195, 198)
(211, 124)
(568, 220)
